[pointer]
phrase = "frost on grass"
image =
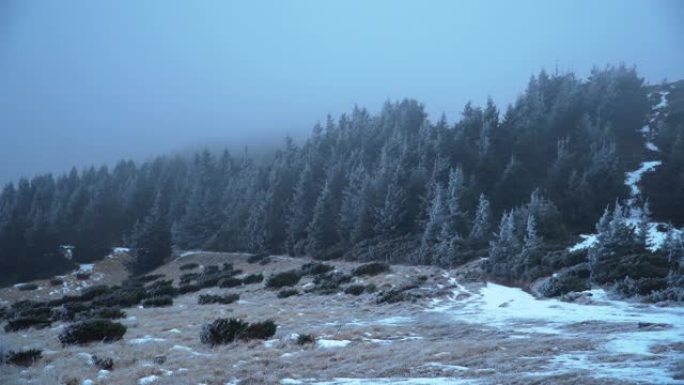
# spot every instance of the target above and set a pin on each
(145, 340)
(624, 345)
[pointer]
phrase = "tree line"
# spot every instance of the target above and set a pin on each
(390, 186)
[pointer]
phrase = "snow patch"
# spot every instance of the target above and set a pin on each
(145, 340)
(326, 344)
(652, 147)
(395, 381)
(632, 178)
(86, 267)
(148, 380)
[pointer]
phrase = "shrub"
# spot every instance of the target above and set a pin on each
(189, 266)
(260, 330)
(330, 283)
(190, 288)
(210, 269)
(102, 313)
(104, 363)
(27, 322)
(39, 311)
(163, 301)
(92, 331)
(287, 293)
(373, 268)
(253, 278)
(265, 261)
(287, 278)
(304, 339)
(56, 282)
(355, 289)
(229, 282)
(24, 358)
(256, 258)
(392, 296)
(371, 288)
(316, 268)
(126, 296)
(574, 279)
(27, 287)
(187, 277)
(82, 276)
(227, 266)
(223, 331)
(222, 299)
(92, 292)
(150, 278)
(161, 288)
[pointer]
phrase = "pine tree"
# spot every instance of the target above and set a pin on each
(504, 248)
(151, 239)
(481, 229)
(301, 210)
(436, 221)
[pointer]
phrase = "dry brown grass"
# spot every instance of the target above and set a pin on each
(428, 345)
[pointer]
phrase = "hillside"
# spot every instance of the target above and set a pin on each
(450, 328)
(571, 156)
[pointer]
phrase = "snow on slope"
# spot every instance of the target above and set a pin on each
(655, 236)
(521, 314)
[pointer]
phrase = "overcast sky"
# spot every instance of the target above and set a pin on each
(90, 82)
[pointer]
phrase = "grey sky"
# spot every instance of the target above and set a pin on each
(85, 82)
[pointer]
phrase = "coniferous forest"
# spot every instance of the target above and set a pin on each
(515, 185)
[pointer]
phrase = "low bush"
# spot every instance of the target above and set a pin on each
(259, 330)
(574, 279)
(27, 322)
(24, 358)
(287, 278)
(189, 266)
(227, 299)
(223, 331)
(82, 276)
(102, 313)
(210, 269)
(92, 331)
(316, 268)
(56, 282)
(229, 282)
(187, 277)
(126, 296)
(355, 289)
(189, 288)
(330, 283)
(287, 293)
(163, 301)
(371, 288)
(256, 258)
(94, 291)
(227, 266)
(150, 278)
(304, 339)
(253, 278)
(373, 268)
(161, 288)
(27, 287)
(104, 363)
(265, 261)
(392, 296)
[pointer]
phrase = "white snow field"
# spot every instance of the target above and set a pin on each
(626, 332)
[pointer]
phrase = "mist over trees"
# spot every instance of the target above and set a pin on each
(510, 185)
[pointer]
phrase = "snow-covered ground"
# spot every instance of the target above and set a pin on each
(625, 332)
